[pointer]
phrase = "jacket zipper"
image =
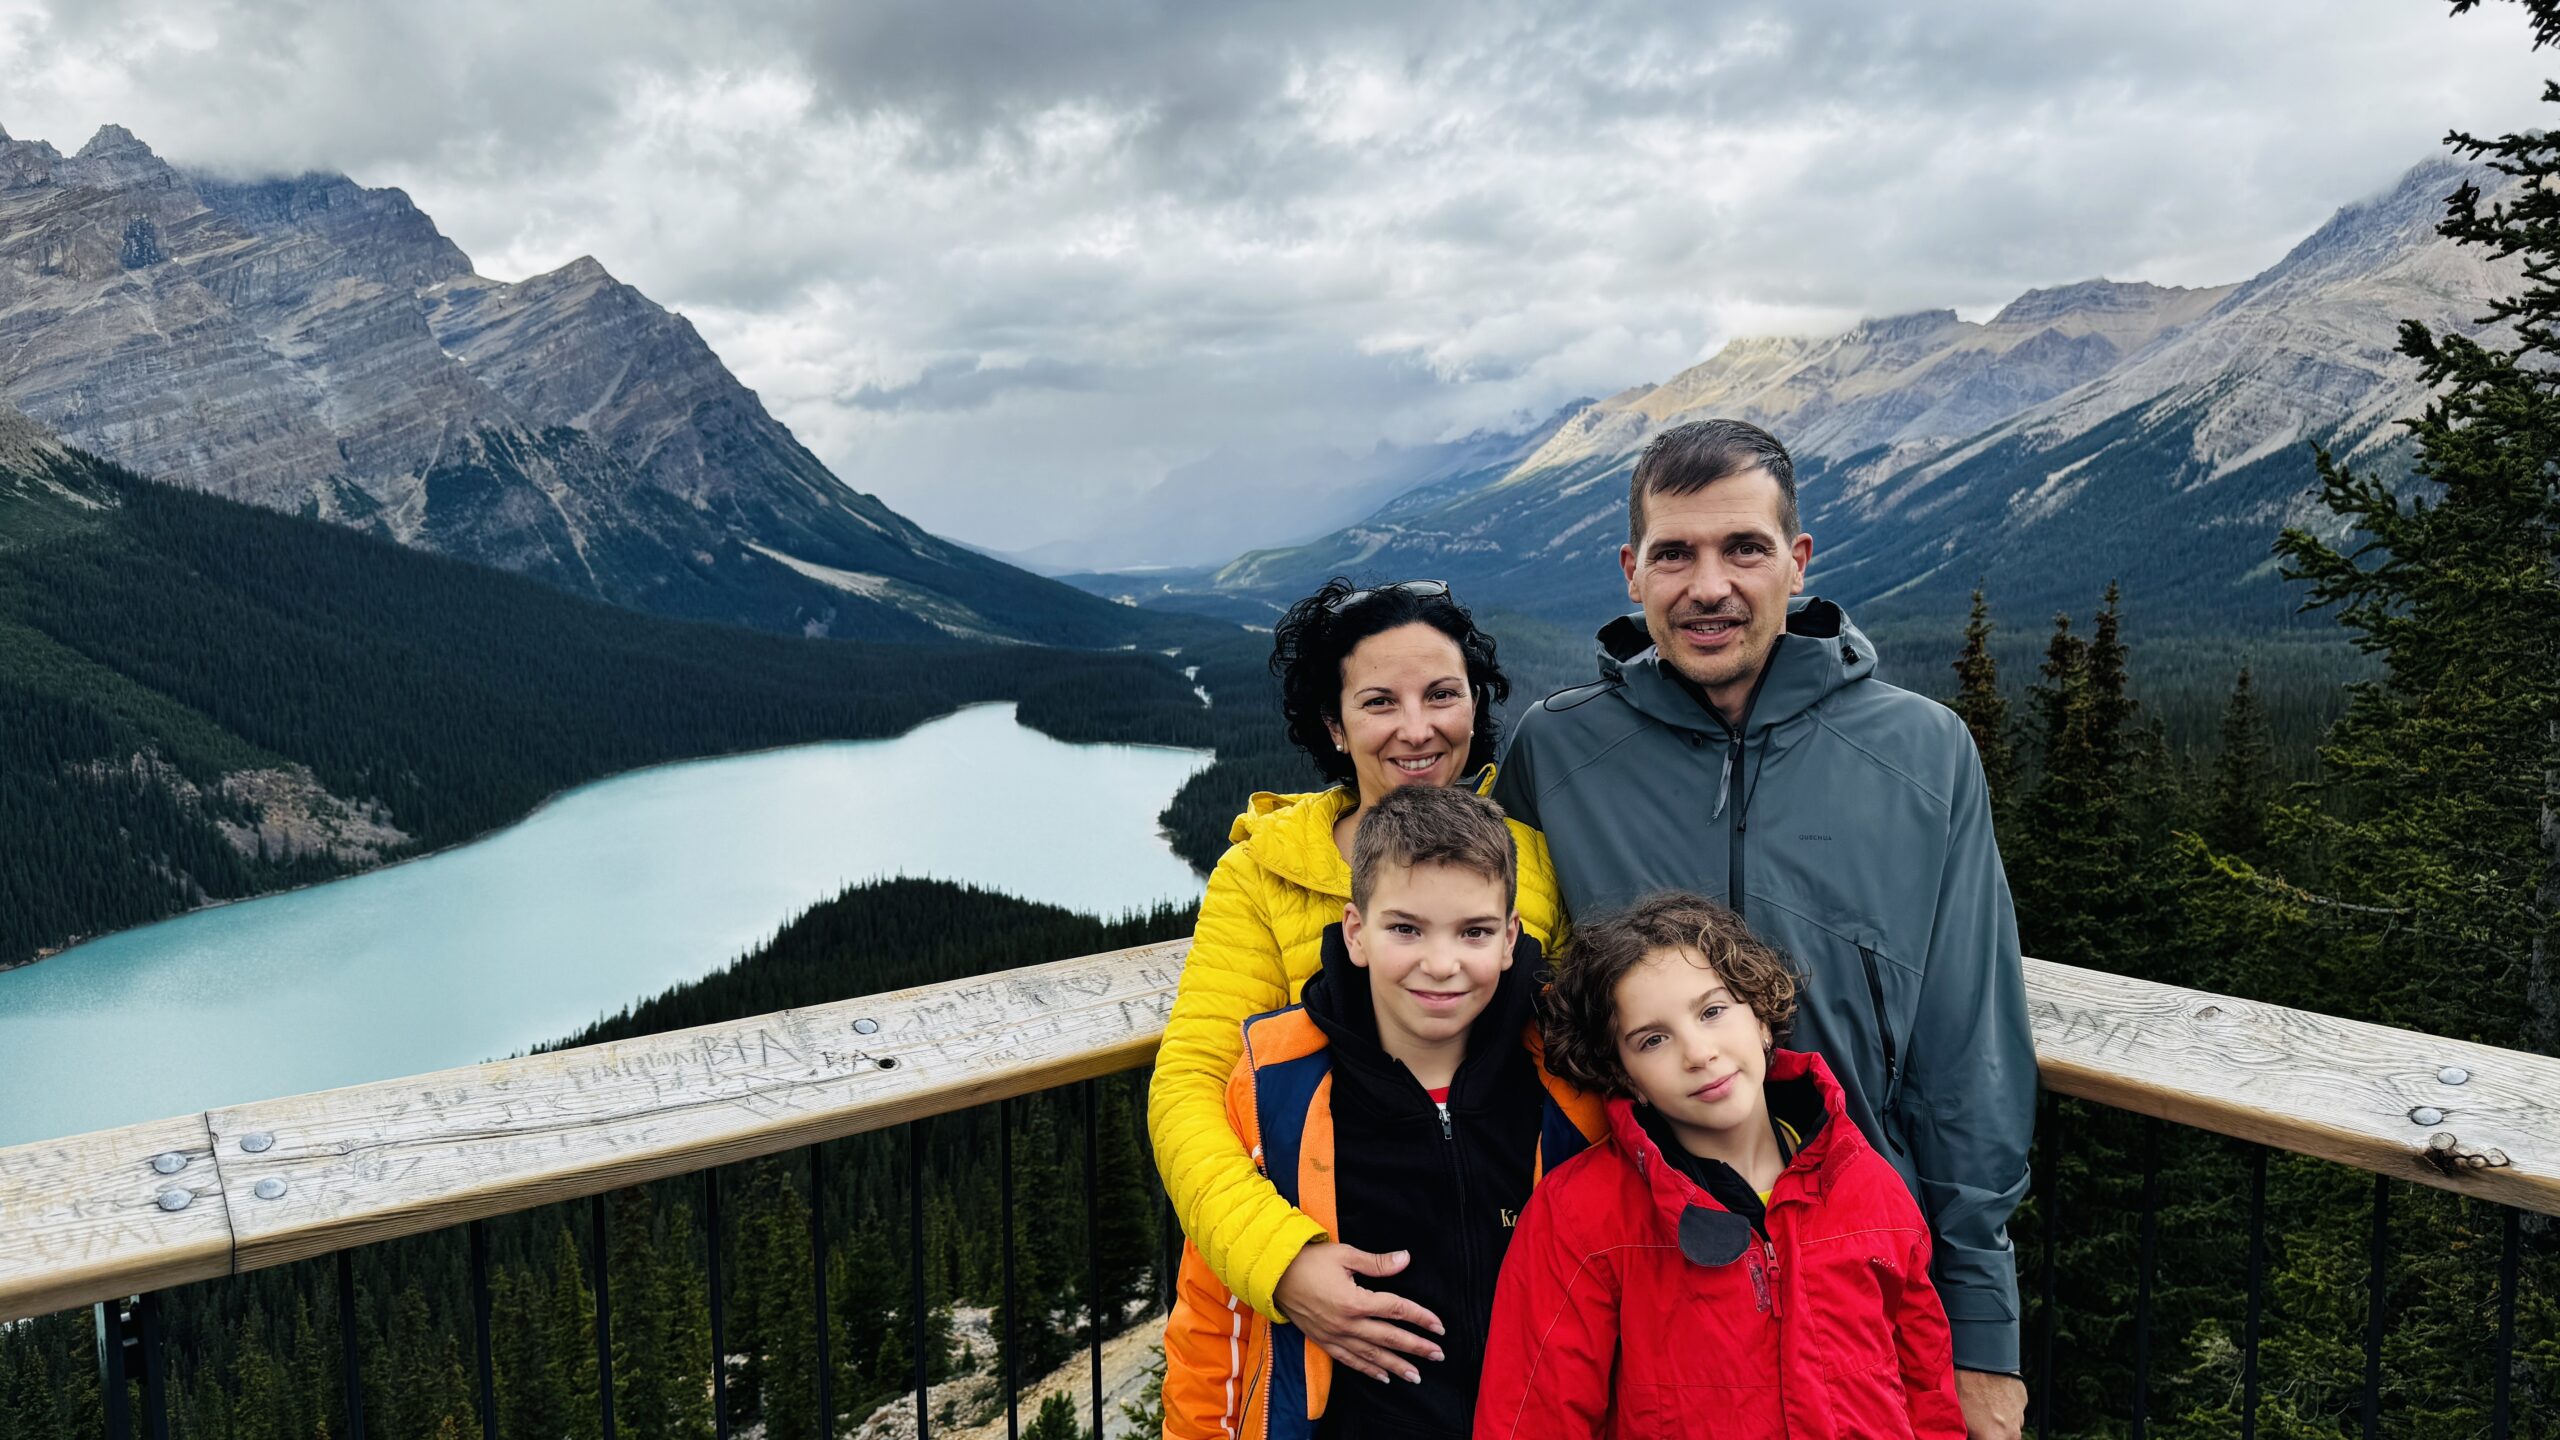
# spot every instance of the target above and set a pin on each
(1736, 804)
(1884, 1030)
(1458, 1183)
(1261, 1376)
(1778, 1317)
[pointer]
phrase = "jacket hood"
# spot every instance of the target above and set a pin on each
(1292, 837)
(1819, 652)
(1677, 1198)
(1337, 998)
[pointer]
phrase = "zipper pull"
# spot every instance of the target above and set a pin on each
(1724, 785)
(1447, 1132)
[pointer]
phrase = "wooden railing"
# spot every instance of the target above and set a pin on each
(117, 1213)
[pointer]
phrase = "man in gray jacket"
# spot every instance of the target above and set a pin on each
(1738, 745)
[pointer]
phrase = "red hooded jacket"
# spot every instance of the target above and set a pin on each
(1632, 1304)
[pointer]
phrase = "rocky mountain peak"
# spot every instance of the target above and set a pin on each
(2043, 307)
(1892, 329)
(114, 140)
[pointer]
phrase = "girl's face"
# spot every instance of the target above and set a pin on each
(1407, 712)
(1696, 1053)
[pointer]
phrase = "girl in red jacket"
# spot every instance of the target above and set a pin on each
(1736, 1262)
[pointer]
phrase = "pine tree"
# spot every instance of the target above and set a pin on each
(772, 1306)
(1056, 1420)
(646, 1380)
(2243, 777)
(1979, 701)
(1125, 1210)
(570, 1367)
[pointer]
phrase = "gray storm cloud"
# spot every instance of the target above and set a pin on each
(1008, 267)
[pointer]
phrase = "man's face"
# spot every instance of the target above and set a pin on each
(1435, 940)
(1713, 574)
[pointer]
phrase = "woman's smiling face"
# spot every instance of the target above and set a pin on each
(1407, 712)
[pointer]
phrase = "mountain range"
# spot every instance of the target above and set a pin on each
(319, 347)
(2160, 436)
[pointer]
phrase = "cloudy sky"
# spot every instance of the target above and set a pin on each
(1009, 266)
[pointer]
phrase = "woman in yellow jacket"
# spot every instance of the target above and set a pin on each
(1381, 687)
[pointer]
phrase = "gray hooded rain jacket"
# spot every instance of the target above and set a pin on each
(1848, 821)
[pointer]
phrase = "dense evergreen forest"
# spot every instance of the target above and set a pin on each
(158, 645)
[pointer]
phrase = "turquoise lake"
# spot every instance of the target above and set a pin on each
(608, 894)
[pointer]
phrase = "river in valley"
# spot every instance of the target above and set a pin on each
(608, 894)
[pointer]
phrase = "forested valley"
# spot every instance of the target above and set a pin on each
(163, 651)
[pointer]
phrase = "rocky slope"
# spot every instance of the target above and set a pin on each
(2087, 431)
(316, 346)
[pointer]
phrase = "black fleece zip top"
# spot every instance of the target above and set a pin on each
(1448, 1192)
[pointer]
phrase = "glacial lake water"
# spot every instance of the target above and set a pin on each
(610, 893)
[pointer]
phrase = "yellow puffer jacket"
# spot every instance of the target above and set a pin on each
(1258, 941)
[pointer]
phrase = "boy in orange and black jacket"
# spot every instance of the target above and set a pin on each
(1401, 1105)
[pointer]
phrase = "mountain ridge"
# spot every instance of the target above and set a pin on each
(2087, 429)
(313, 345)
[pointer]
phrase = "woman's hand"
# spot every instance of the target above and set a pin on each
(1322, 1295)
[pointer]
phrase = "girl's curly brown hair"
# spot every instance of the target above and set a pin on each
(1580, 1016)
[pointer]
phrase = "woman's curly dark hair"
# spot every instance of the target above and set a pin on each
(1310, 643)
(1579, 1016)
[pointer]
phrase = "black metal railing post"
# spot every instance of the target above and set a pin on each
(2377, 1299)
(1012, 1321)
(2502, 1422)
(2143, 1282)
(155, 1366)
(596, 1251)
(915, 1276)
(2055, 1141)
(818, 1288)
(2257, 1292)
(487, 1396)
(1093, 1243)
(113, 1377)
(711, 1230)
(350, 1364)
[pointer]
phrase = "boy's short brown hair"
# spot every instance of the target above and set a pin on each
(1434, 825)
(1581, 1014)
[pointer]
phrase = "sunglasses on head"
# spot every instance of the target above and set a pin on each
(1418, 589)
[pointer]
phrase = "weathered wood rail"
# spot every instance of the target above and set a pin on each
(118, 1212)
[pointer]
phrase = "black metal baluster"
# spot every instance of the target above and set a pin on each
(2056, 1141)
(818, 1282)
(604, 1313)
(350, 1367)
(480, 1344)
(1004, 1184)
(2257, 1292)
(112, 1376)
(1092, 1243)
(2502, 1422)
(2375, 1301)
(2143, 1285)
(155, 1371)
(915, 1278)
(711, 1229)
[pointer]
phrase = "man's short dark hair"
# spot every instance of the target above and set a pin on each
(1688, 458)
(1433, 825)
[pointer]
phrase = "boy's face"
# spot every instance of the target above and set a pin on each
(1435, 940)
(1696, 1053)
